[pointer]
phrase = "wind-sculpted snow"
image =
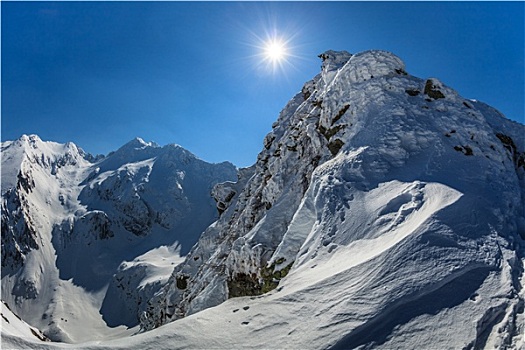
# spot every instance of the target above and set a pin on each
(384, 211)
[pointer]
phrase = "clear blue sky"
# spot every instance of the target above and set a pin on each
(102, 73)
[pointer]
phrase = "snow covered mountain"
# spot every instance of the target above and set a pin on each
(85, 240)
(384, 211)
(393, 192)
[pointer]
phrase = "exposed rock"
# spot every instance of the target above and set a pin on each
(432, 89)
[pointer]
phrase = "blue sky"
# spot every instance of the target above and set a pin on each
(191, 73)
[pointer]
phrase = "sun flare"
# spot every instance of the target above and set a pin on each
(275, 51)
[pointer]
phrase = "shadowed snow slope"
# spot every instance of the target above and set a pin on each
(384, 211)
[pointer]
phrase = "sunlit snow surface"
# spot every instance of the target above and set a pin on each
(405, 233)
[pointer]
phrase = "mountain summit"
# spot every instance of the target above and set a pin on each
(380, 201)
(384, 211)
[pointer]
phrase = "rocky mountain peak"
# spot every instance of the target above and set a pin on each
(365, 153)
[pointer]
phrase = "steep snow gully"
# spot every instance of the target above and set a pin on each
(384, 211)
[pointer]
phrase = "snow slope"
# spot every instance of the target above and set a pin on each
(85, 240)
(384, 211)
(13, 325)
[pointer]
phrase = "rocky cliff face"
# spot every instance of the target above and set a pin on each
(395, 182)
(69, 219)
(21, 172)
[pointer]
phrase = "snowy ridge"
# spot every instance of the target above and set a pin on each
(384, 211)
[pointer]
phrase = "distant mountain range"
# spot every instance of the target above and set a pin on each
(384, 211)
(86, 242)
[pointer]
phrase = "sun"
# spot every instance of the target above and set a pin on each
(275, 51)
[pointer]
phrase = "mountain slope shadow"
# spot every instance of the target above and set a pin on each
(377, 331)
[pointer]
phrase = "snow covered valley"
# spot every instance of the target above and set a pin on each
(384, 211)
